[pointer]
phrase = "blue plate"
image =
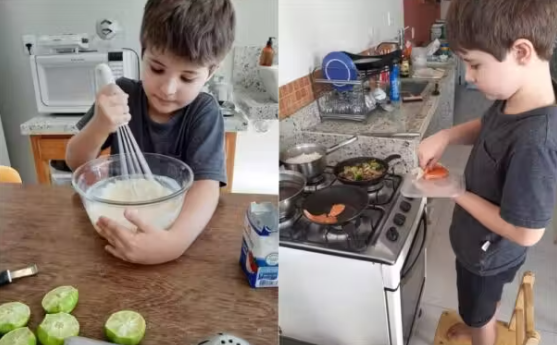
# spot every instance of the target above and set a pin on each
(339, 66)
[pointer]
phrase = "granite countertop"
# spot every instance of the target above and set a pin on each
(65, 125)
(256, 104)
(408, 120)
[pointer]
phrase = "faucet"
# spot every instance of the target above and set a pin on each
(398, 40)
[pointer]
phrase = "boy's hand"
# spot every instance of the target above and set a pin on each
(431, 149)
(148, 246)
(111, 108)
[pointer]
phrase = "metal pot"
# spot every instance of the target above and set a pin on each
(315, 168)
(291, 186)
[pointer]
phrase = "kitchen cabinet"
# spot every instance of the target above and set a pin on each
(53, 147)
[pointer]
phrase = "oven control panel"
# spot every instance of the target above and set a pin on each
(399, 227)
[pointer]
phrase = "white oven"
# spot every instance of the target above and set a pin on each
(66, 83)
(329, 299)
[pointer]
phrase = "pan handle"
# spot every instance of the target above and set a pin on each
(341, 144)
(392, 158)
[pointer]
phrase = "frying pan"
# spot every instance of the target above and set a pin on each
(320, 202)
(339, 168)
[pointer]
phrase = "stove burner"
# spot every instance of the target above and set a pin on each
(376, 187)
(320, 182)
(316, 180)
(386, 190)
(342, 233)
(353, 236)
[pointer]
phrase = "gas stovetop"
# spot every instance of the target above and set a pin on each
(377, 235)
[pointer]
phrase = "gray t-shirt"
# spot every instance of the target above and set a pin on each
(195, 134)
(513, 165)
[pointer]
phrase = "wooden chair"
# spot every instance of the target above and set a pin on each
(519, 331)
(9, 175)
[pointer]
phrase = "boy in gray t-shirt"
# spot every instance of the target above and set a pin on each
(183, 42)
(512, 170)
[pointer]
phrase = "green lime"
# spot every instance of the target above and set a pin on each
(13, 315)
(63, 299)
(55, 328)
(20, 336)
(125, 327)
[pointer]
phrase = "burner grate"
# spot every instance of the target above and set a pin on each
(353, 236)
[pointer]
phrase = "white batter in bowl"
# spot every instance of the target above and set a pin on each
(105, 192)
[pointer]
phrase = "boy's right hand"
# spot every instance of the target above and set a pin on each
(111, 108)
(431, 149)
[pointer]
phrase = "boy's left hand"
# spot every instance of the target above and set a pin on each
(148, 246)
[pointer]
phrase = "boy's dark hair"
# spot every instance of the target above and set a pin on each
(492, 26)
(200, 31)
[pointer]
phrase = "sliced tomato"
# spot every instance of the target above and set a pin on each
(436, 172)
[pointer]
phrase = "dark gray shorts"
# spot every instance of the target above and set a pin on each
(478, 295)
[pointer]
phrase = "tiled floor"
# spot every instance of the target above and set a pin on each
(440, 292)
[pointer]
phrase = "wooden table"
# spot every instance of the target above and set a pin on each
(53, 147)
(183, 302)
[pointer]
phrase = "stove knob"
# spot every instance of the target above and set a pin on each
(399, 219)
(405, 206)
(392, 234)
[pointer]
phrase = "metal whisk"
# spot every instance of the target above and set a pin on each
(133, 163)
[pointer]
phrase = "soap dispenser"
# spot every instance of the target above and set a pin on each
(267, 54)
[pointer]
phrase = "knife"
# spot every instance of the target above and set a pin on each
(84, 341)
(7, 276)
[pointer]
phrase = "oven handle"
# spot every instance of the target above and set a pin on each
(424, 238)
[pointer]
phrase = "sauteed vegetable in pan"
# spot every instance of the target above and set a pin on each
(364, 171)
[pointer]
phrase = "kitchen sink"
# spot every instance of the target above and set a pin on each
(413, 87)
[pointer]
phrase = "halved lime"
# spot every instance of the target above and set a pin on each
(63, 299)
(125, 327)
(55, 328)
(13, 315)
(20, 336)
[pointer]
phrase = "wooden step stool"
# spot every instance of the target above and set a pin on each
(519, 331)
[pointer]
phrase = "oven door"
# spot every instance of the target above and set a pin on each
(412, 280)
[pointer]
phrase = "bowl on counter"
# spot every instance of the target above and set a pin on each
(106, 191)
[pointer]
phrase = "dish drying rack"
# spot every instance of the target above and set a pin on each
(355, 104)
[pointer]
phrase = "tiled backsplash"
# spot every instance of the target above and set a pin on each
(294, 96)
(245, 73)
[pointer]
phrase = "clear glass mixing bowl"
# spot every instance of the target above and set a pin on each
(90, 179)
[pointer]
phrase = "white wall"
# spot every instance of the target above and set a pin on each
(256, 167)
(309, 29)
(257, 19)
(46, 17)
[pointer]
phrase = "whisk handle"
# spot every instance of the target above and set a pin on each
(104, 75)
